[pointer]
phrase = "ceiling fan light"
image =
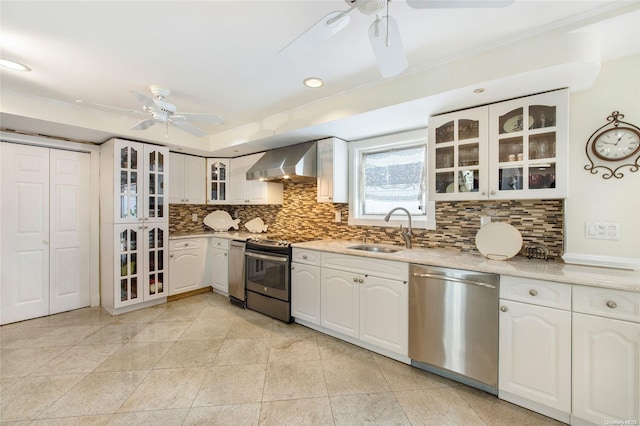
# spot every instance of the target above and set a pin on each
(313, 82)
(13, 65)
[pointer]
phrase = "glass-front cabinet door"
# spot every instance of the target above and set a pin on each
(141, 174)
(458, 155)
(128, 175)
(528, 147)
(218, 180)
(129, 263)
(156, 237)
(156, 174)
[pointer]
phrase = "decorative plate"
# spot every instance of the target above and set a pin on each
(515, 124)
(256, 225)
(220, 221)
(499, 241)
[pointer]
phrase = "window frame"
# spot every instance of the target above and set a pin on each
(409, 139)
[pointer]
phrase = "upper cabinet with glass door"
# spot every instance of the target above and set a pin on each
(140, 179)
(509, 150)
(458, 155)
(528, 149)
(218, 180)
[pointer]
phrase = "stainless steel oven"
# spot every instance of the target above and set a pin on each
(268, 276)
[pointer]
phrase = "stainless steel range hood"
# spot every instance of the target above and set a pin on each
(296, 163)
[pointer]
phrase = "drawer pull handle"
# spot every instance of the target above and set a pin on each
(611, 304)
(533, 292)
(504, 308)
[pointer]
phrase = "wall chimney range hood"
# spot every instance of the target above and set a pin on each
(296, 163)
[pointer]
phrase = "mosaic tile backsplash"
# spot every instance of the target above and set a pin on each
(300, 216)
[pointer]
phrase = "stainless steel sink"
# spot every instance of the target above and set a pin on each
(375, 248)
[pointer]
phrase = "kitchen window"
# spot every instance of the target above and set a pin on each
(390, 171)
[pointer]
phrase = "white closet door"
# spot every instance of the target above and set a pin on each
(70, 230)
(25, 232)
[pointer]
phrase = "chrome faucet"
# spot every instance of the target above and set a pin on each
(405, 232)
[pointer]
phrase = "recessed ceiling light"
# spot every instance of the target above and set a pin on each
(313, 82)
(479, 90)
(13, 65)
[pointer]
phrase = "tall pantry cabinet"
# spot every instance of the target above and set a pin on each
(134, 228)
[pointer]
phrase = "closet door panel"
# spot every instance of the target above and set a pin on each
(70, 231)
(25, 232)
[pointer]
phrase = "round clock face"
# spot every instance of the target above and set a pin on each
(616, 144)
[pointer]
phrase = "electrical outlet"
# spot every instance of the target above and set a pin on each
(338, 216)
(485, 220)
(194, 217)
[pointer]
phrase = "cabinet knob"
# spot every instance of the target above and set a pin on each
(504, 308)
(360, 280)
(225, 254)
(186, 244)
(292, 267)
(611, 304)
(533, 292)
(186, 201)
(483, 193)
(355, 279)
(45, 241)
(171, 255)
(493, 192)
(304, 256)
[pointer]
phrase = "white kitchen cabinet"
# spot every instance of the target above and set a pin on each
(245, 191)
(384, 315)
(133, 179)
(218, 180)
(535, 345)
(340, 302)
(535, 358)
(134, 262)
(218, 258)
(188, 181)
(366, 299)
(134, 229)
(186, 265)
(494, 152)
(305, 293)
(606, 356)
(46, 231)
(332, 181)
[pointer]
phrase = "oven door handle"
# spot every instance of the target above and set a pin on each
(266, 257)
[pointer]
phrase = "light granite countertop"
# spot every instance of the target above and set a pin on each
(229, 235)
(519, 266)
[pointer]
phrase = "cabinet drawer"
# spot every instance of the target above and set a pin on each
(624, 305)
(186, 244)
(222, 243)
(309, 257)
(366, 265)
(537, 292)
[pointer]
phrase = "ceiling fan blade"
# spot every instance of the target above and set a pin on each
(387, 46)
(199, 117)
(189, 128)
(319, 32)
(145, 124)
(146, 100)
(113, 109)
(448, 4)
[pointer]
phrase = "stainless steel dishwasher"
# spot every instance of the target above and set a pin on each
(453, 324)
(236, 273)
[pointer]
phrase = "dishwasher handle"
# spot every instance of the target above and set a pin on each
(453, 279)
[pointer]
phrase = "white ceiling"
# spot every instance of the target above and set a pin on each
(220, 57)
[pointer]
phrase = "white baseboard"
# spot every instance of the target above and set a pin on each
(604, 261)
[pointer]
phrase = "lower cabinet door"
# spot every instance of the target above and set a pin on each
(219, 269)
(184, 266)
(305, 292)
(535, 354)
(384, 314)
(339, 301)
(606, 370)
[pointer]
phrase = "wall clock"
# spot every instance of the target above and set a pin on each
(614, 146)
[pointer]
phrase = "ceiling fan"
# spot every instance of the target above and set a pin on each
(164, 112)
(383, 32)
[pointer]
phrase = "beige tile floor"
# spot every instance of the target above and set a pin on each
(200, 360)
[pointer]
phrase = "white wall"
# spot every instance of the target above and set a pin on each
(592, 198)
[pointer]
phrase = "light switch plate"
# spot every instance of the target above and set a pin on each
(194, 217)
(602, 230)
